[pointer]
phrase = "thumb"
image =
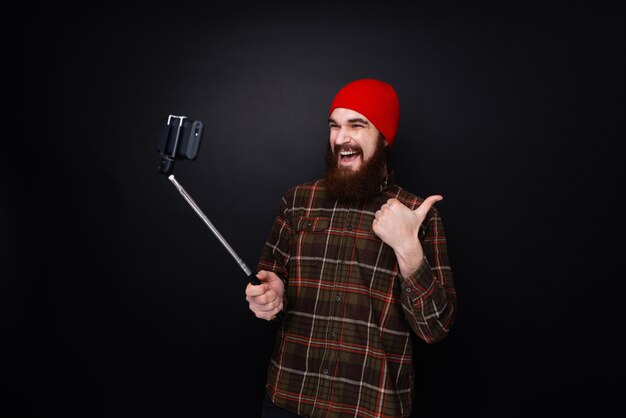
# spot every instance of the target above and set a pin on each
(262, 275)
(427, 204)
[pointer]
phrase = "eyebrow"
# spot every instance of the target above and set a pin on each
(355, 120)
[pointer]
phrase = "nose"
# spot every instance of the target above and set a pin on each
(342, 137)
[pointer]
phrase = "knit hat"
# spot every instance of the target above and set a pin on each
(374, 99)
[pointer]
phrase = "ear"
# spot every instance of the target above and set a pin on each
(381, 136)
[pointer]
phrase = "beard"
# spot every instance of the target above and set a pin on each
(342, 183)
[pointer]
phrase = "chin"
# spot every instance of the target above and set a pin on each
(349, 170)
(353, 168)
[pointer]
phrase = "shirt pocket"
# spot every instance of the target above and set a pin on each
(311, 224)
(310, 243)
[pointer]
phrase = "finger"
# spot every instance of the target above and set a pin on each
(270, 275)
(390, 202)
(263, 276)
(428, 203)
(267, 316)
(256, 290)
(264, 307)
(263, 315)
(268, 297)
(254, 307)
(268, 307)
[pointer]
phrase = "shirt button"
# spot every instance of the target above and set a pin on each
(408, 290)
(332, 334)
(325, 371)
(338, 298)
(349, 227)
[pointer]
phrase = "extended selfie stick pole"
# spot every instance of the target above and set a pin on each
(253, 279)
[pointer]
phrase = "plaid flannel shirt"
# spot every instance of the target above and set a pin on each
(344, 347)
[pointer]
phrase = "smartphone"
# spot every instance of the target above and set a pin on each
(179, 139)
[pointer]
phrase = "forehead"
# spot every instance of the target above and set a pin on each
(343, 115)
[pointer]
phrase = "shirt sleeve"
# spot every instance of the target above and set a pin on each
(276, 249)
(429, 295)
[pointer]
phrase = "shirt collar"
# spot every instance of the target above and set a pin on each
(387, 182)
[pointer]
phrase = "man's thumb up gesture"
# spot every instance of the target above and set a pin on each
(398, 227)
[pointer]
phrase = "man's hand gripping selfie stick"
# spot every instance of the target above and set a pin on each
(181, 141)
(244, 267)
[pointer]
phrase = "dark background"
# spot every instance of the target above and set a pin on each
(119, 302)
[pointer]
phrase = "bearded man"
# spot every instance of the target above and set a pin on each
(355, 264)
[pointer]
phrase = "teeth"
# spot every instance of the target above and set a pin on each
(346, 153)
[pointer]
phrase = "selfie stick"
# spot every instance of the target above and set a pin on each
(253, 279)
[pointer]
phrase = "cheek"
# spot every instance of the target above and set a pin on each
(331, 140)
(368, 153)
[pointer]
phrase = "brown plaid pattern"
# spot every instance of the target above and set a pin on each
(344, 348)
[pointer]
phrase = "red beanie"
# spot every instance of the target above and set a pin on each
(374, 99)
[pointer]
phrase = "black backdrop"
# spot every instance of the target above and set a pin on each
(120, 302)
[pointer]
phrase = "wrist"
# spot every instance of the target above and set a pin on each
(409, 259)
